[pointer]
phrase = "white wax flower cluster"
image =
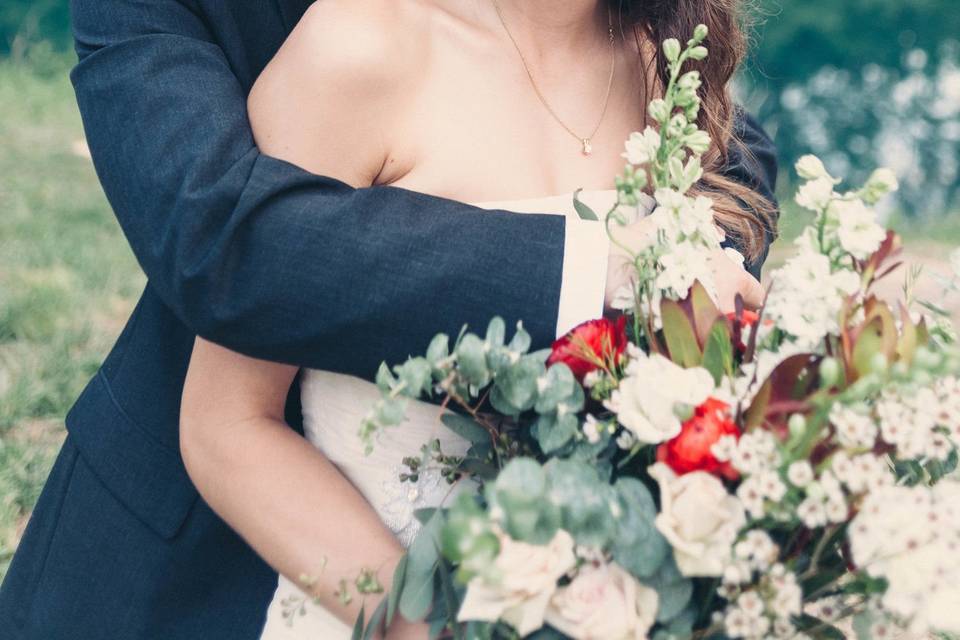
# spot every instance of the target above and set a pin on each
(921, 421)
(910, 536)
(767, 611)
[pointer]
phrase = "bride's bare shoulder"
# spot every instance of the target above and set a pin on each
(361, 41)
(336, 83)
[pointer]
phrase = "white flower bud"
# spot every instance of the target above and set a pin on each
(671, 49)
(809, 167)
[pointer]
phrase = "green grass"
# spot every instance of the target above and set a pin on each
(67, 278)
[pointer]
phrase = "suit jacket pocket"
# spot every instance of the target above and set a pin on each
(143, 474)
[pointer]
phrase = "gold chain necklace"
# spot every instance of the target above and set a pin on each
(585, 142)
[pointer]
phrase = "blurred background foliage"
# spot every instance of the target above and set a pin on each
(860, 82)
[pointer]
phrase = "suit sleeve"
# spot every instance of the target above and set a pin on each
(264, 258)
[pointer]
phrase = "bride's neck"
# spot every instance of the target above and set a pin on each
(549, 24)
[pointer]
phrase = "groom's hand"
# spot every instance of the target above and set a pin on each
(731, 278)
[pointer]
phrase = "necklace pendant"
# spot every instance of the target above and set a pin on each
(587, 146)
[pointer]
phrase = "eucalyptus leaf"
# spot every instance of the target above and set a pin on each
(471, 360)
(465, 427)
(516, 386)
(586, 501)
(637, 546)
(416, 376)
(585, 212)
(521, 340)
(396, 588)
(357, 633)
(376, 620)
(674, 590)
(553, 432)
(555, 385)
(496, 332)
(423, 559)
(439, 349)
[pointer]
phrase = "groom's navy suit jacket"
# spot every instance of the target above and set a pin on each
(259, 256)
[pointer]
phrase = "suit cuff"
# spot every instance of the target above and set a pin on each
(584, 279)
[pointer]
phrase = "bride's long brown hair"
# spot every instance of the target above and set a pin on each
(743, 213)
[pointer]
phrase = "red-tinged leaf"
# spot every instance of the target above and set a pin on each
(869, 342)
(878, 309)
(923, 333)
(889, 249)
(679, 335)
(790, 383)
(703, 312)
(718, 351)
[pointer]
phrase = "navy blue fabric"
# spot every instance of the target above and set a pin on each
(260, 256)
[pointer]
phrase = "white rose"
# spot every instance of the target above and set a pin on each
(603, 603)
(649, 396)
(699, 519)
(527, 578)
(815, 194)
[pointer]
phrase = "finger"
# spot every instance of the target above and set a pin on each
(752, 292)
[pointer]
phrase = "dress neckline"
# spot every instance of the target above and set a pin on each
(490, 204)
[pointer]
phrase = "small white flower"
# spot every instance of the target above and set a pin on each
(591, 430)
(816, 194)
(812, 513)
(642, 147)
(857, 228)
(800, 473)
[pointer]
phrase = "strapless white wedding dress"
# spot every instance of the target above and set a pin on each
(334, 406)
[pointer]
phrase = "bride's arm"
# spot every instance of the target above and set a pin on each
(274, 488)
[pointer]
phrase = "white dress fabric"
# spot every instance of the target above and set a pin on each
(334, 406)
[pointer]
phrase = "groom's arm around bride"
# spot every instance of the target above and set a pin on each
(257, 255)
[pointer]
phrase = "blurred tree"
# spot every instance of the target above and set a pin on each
(25, 22)
(795, 38)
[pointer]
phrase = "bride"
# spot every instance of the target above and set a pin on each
(493, 102)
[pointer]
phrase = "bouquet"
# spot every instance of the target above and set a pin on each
(678, 472)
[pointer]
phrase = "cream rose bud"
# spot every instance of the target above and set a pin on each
(699, 519)
(810, 167)
(603, 602)
(526, 578)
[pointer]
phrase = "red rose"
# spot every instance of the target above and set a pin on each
(590, 346)
(690, 451)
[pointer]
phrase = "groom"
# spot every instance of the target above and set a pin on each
(241, 249)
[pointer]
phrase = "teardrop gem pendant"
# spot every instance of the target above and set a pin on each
(587, 147)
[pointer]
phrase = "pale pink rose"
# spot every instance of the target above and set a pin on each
(603, 602)
(526, 577)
